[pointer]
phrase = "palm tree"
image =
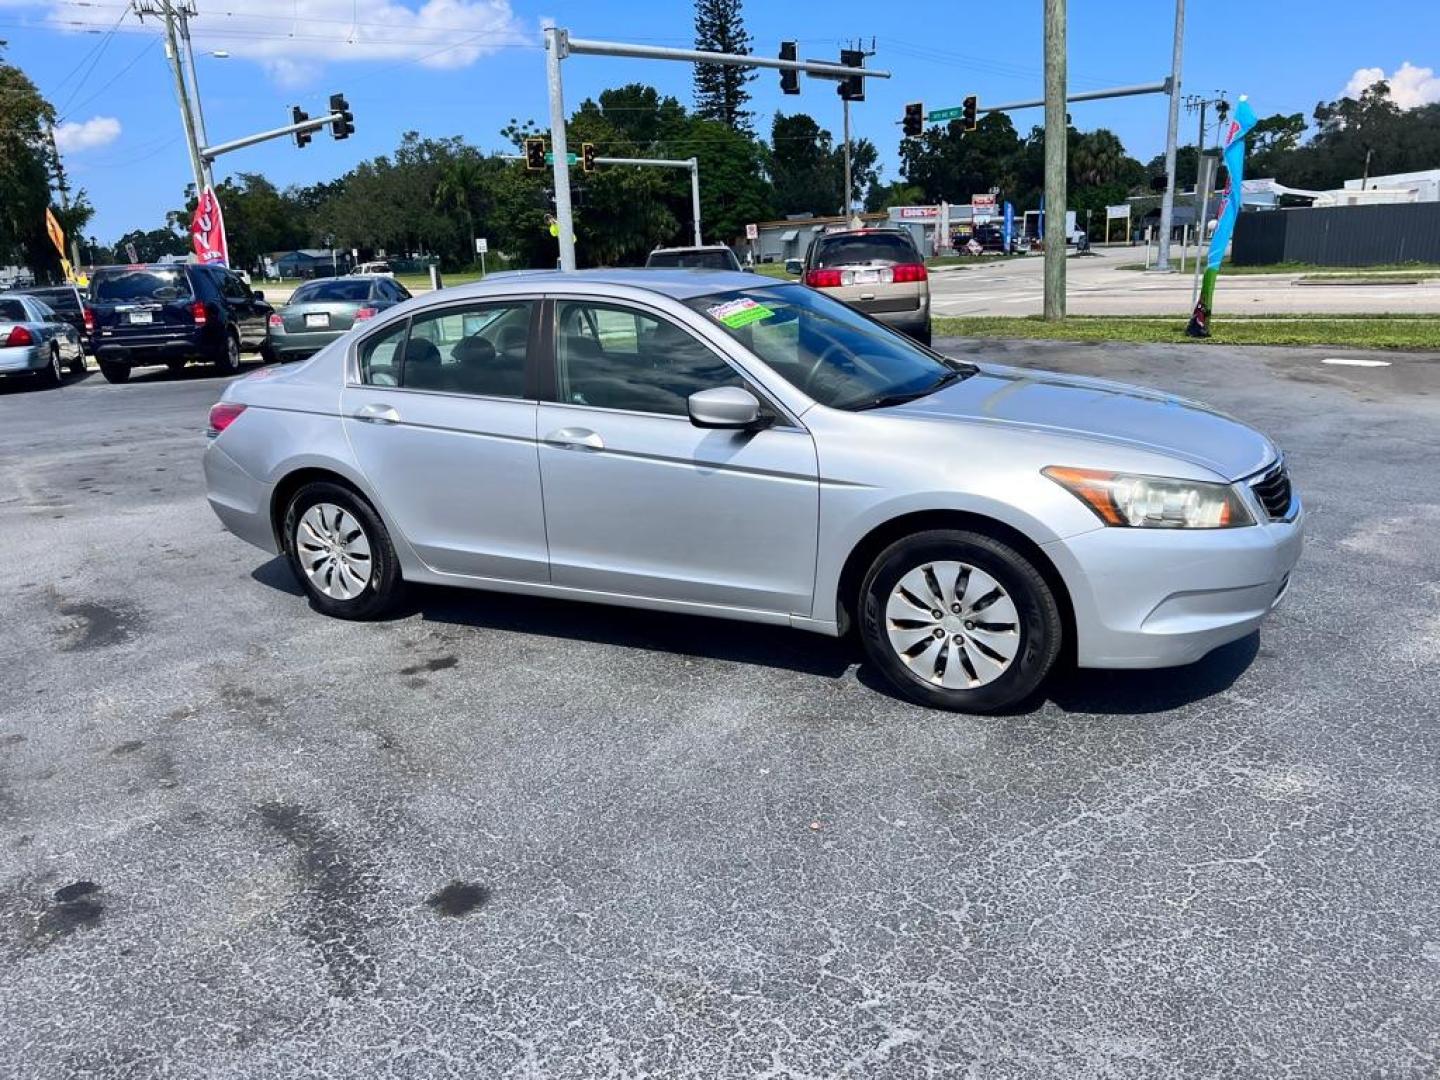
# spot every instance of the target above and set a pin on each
(460, 179)
(1097, 158)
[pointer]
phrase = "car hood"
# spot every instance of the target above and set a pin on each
(1103, 411)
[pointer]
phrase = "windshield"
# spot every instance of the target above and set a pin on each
(826, 349)
(321, 291)
(13, 311)
(865, 249)
(696, 260)
(144, 284)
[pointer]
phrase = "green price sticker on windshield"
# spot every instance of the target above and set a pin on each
(738, 313)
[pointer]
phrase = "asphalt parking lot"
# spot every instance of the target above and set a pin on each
(498, 837)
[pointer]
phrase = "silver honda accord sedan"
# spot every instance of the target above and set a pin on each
(704, 442)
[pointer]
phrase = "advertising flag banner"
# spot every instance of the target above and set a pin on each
(1234, 155)
(57, 234)
(207, 231)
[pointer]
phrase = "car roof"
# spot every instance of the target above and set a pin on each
(692, 247)
(676, 283)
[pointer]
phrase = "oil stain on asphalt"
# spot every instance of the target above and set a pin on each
(459, 898)
(76, 906)
(93, 625)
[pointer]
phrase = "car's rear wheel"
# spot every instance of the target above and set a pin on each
(958, 620)
(113, 372)
(77, 365)
(51, 374)
(229, 359)
(341, 553)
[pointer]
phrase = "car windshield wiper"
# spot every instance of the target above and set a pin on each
(884, 400)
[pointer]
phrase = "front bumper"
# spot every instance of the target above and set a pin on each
(23, 359)
(1149, 598)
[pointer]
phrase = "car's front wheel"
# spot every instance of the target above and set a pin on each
(341, 553)
(959, 620)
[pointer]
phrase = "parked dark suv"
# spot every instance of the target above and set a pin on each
(172, 314)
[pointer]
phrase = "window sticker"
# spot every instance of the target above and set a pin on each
(738, 313)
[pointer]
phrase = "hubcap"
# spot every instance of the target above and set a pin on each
(953, 625)
(333, 551)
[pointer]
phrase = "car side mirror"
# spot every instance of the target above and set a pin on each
(731, 407)
(257, 294)
(794, 266)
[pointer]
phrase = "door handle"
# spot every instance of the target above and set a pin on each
(575, 438)
(377, 414)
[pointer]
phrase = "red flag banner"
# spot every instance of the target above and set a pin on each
(207, 230)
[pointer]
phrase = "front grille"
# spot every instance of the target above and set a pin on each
(1272, 488)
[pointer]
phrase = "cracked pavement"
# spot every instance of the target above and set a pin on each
(499, 837)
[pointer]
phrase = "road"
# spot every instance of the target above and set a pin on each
(497, 837)
(1096, 286)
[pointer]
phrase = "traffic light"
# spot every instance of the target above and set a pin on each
(587, 157)
(914, 121)
(344, 127)
(299, 116)
(852, 88)
(789, 77)
(970, 106)
(534, 154)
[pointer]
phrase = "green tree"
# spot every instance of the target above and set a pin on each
(25, 168)
(801, 166)
(720, 92)
(152, 244)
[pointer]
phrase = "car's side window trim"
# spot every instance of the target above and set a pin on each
(784, 420)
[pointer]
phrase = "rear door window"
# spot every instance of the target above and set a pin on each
(144, 284)
(12, 310)
(865, 249)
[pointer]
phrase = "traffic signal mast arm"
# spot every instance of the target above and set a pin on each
(700, 56)
(309, 124)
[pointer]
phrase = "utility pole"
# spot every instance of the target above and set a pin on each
(183, 14)
(1056, 132)
(63, 187)
(1167, 202)
(165, 9)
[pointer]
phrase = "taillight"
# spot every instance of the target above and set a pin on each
(89, 321)
(823, 279)
(198, 313)
(904, 272)
(277, 320)
(20, 336)
(366, 313)
(223, 414)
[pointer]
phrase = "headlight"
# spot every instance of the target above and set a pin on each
(1153, 502)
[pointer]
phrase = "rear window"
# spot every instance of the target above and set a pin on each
(865, 249)
(118, 286)
(326, 291)
(59, 299)
(13, 311)
(695, 260)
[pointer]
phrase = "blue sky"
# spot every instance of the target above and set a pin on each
(465, 67)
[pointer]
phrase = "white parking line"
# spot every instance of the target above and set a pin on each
(1354, 361)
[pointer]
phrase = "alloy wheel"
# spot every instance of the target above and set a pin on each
(333, 551)
(953, 625)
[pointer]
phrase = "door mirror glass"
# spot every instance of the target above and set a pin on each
(793, 266)
(258, 294)
(724, 407)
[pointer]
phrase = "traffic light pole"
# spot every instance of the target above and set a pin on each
(692, 164)
(1167, 202)
(313, 123)
(559, 45)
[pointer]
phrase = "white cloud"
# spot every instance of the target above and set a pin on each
(1409, 85)
(294, 39)
(86, 134)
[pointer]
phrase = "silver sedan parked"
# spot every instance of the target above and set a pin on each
(706, 443)
(35, 341)
(320, 311)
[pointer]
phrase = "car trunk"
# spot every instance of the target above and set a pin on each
(143, 304)
(318, 316)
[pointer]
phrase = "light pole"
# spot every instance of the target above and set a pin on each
(1167, 202)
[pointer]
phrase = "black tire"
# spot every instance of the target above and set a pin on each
(267, 354)
(177, 367)
(50, 376)
(383, 589)
(77, 366)
(113, 372)
(924, 336)
(227, 361)
(1040, 626)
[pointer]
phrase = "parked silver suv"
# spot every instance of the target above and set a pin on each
(877, 271)
(717, 444)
